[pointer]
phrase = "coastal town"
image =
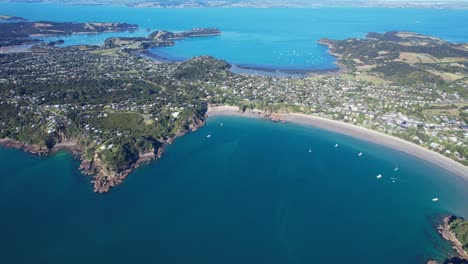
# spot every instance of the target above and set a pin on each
(426, 116)
(119, 108)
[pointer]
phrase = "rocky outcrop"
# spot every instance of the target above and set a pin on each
(34, 149)
(104, 178)
(446, 232)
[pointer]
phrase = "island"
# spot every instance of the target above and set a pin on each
(115, 109)
(18, 33)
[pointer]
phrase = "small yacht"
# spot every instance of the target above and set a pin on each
(435, 199)
(360, 154)
(208, 136)
(379, 176)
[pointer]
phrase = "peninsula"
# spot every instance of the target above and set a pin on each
(117, 109)
(158, 38)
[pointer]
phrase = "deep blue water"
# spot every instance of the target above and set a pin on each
(252, 193)
(275, 38)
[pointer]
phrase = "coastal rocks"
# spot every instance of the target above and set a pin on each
(104, 177)
(34, 149)
(196, 123)
(331, 48)
(449, 235)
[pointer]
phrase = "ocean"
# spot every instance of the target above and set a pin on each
(251, 193)
(272, 38)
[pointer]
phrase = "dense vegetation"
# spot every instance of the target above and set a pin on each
(117, 108)
(460, 227)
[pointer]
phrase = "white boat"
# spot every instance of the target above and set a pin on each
(222, 124)
(336, 145)
(396, 167)
(435, 199)
(310, 150)
(360, 154)
(208, 136)
(379, 176)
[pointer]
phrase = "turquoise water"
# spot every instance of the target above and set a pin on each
(274, 38)
(252, 193)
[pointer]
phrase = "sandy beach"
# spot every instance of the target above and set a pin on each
(354, 131)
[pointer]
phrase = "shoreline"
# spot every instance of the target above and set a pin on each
(103, 178)
(358, 132)
(446, 232)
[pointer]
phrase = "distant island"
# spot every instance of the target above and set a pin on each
(265, 4)
(116, 109)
